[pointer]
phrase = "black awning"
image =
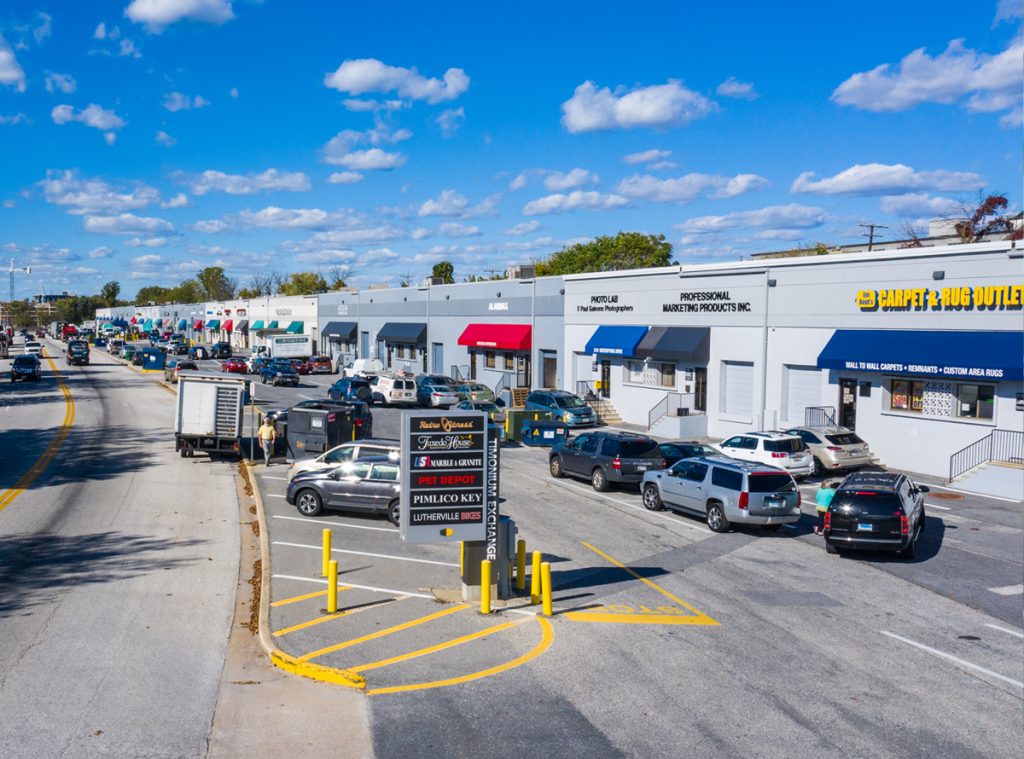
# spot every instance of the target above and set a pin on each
(676, 344)
(406, 333)
(242, 325)
(346, 331)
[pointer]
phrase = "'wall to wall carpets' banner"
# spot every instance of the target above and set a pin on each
(445, 495)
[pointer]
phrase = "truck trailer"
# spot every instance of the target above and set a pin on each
(208, 416)
(287, 346)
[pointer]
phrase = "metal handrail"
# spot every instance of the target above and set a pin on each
(820, 416)
(998, 445)
(668, 405)
(587, 390)
(501, 386)
(460, 373)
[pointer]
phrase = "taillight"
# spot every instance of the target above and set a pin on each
(744, 500)
(834, 449)
(778, 455)
(664, 464)
(616, 463)
(904, 525)
(828, 520)
(799, 497)
(359, 422)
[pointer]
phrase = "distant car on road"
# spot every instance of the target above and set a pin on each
(299, 365)
(198, 352)
(369, 485)
(139, 358)
(33, 347)
(833, 448)
(564, 406)
(279, 373)
(393, 390)
(321, 365)
(876, 511)
(128, 352)
(234, 365)
(77, 353)
(114, 347)
(606, 457)
(175, 368)
(26, 367)
(220, 350)
(255, 364)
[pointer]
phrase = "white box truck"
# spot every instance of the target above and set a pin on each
(287, 346)
(209, 413)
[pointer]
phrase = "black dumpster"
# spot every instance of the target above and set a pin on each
(315, 429)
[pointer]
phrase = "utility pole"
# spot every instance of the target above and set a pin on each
(871, 233)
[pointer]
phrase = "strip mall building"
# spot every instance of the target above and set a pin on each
(920, 350)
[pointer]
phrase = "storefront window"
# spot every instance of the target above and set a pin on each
(489, 359)
(510, 362)
(975, 401)
(667, 375)
(906, 395)
(635, 372)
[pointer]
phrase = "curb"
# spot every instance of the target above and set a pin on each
(277, 657)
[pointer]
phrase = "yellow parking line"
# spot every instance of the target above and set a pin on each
(296, 599)
(311, 622)
(439, 646)
(547, 635)
(382, 633)
(51, 450)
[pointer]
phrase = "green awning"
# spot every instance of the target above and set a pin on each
(272, 325)
(295, 328)
(159, 322)
(147, 325)
(213, 324)
(182, 324)
(258, 324)
(108, 328)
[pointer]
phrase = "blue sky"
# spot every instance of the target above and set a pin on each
(143, 140)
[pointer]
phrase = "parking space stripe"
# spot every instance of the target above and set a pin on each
(359, 587)
(438, 647)
(311, 622)
(950, 657)
(1006, 630)
(364, 553)
(323, 522)
(307, 596)
(382, 633)
(1008, 590)
(627, 504)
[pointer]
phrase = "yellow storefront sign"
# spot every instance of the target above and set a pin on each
(980, 298)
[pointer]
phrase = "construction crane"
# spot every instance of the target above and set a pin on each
(12, 269)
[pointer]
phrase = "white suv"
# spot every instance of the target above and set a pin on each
(775, 448)
(357, 449)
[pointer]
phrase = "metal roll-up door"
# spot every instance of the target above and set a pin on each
(802, 388)
(738, 389)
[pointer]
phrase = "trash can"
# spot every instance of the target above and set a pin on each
(153, 359)
(514, 418)
(313, 430)
(543, 433)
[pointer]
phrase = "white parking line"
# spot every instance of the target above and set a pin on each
(364, 553)
(353, 585)
(936, 506)
(674, 520)
(323, 522)
(271, 477)
(1006, 630)
(275, 495)
(309, 397)
(1008, 590)
(950, 657)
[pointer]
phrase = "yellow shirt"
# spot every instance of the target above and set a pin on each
(267, 432)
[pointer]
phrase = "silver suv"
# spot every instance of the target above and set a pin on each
(833, 448)
(724, 491)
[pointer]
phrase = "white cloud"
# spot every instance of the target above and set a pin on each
(918, 204)
(149, 242)
(127, 224)
(94, 196)
(452, 203)
(575, 200)
(519, 182)
(357, 105)
(44, 28)
(556, 181)
(233, 92)
(689, 187)
(110, 137)
(1008, 10)
(11, 73)
(373, 159)
(210, 226)
(63, 82)
(14, 119)
(249, 184)
(101, 31)
(523, 228)
(158, 14)
(339, 149)
(886, 179)
(326, 256)
(180, 200)
(733, 88)
(646, 156)
(177, 101)
(420, 233)
(657, 106)
(101, 252)
(273, 217)
(792, 216)
(360, 236)
(127, 49)
(162, 138)
(1013, 120)
(92, 116)
(363, 75)
(150, 259)
(345, 177)
(453, 229)
(450, 120)
(9, 203)
(945, 78)
(663, 166)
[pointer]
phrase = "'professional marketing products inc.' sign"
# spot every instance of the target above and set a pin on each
(447, 475)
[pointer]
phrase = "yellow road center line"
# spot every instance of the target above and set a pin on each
(296, 599)
(438, 647)
(51, 450)
(382, 633)
(547, 635)
(649, 583)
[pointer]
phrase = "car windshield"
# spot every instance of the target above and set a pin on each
(485, 406)
(873, 502)
(771, 483)
(359, 383)
(634, 449)
(569, 401)
(845, 438)
(792, 445)
(24, 361)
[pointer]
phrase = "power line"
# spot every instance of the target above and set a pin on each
(871, 232)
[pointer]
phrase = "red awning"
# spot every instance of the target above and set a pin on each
(227, 326)
(198, 324)
(133, 320)
(506, 337)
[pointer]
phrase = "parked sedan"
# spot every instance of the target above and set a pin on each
(299, 365)
(279, 374)
(234, 365)
(369, 485)
(436, 391)
(495, 412)
(606, 457)
(833, 448)
(474, 391)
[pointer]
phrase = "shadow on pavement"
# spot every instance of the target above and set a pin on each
(34, 567)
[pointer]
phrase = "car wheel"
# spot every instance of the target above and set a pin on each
(829, 548)
(555, 465)
(599, 480)
(816, 468)
(652, 501)
(309, 503)
(394, 512)
(263, 380)
(908, 552)
(716, 518)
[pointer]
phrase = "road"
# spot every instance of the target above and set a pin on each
(118, 565)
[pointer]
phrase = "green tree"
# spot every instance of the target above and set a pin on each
(153, 294)
(188, 291)
(627, 250)
(338, 276)
(110, 292)
(303, 283)
(215, 284)
(444, 271)
(77, 309)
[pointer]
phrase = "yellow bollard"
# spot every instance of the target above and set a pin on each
(462, 558)
(535, 579)
(520, 565)
(326, 553)
(485, 587)
(332, 587)
(545, 573)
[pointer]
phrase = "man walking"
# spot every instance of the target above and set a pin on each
(268, 436)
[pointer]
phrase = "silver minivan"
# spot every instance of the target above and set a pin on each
(724, 491)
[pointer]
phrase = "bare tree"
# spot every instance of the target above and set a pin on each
(913, 232)
(276, 280)
(338, 276)
(983, 219)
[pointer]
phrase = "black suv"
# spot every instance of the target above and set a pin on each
(606, 457)
(77, 353)
(876, 511)
(220, 350)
